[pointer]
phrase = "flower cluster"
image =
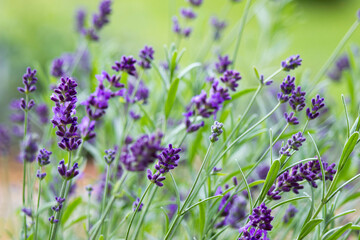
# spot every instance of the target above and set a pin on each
(142, 152)
(187, 13)
(127, 64)
(317, 104)
(218, 27)
(291, 119)
(286, 88)
(230, 78)
(43, 159)
(110, 155)
(185, 32)
(141, 94)
(29, 81)
(190, 126)
(341, 64)
(297, 99)
(294, 143)
(259, 224)
(168, 160)
(216, 131)
(291, 63)
(65, 100)
(147, 56)
(59, 204)
(98, 21)
(291, 179)
(223, 64)
(68, 172)
(195, 3)
(57, 67)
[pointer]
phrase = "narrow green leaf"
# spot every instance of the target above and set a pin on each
(336, 235)
(176, 191)
(339, 215)
(256, 73)
(188, 69)
(346, 115)
(269, 181)
(202, 217)
(171, 97)
(101, 237)
(70, 209)
(288, 201)
(166, 219)
(247, 187)
(308, 227)
(355, 227)
(343, 185)
(350, 198)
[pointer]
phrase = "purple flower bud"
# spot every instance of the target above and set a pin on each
(317, 104)
(291, 63)
(218, 26)
(156, 178)
(216, 131)
(68, 173)
(195, 3)
(110, 155)
(136, 203)
(297, 99)
(168, 159)
(127, 64)
(40, 175)
(230, 78)
(52, 220)
(293, 143)
(187, 13)
(290, 213)
(43, 157)
(223, 64)
(291, 119)
(147, 56)
(27, 211)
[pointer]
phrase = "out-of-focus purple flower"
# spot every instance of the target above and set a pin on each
(68, 173)
(147, 56)
(358, 14)
(136, 203)
(43, 113)
(113, 80)
(290, 213)
(52, 220)
(185, 32)
(27, 211)
(190, 126)
(87, 128)
(110, 155)
(80, 21)
(291, 119)
(40, 175)
(102, 18)
(267, 83)
(216, 131)
(187, 13)
(215, 170)
(291, 63)
(5, 140)
(29, 81)
(218, 26)
(168, 159)
(286, 87)
(223, 64)
(142, 92)
(141, 153)
(294, 143)
(134, 115)
(317, 104)
(342, 64)
(259, 224)
(230, 78)
(64, 118)
(59, 204)
(43, 157)
(89, 188)
(262, 171)
(57, 67)
(29, 148)
(195, 3)
(291, 179)
(156, 178)
(127, 64)
(297, 99)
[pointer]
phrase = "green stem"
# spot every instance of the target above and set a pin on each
(88, 213)
(25, 166)
(104, 196)
(136, 210)
(37, 210)
(178, 214)
(241, 30)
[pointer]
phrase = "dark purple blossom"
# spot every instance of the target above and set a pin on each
(297, 99)
(40, 175)
(64, 118)
(187, 13)
(216, 131)
(218, 26)
(230, 78)
(136, 203)
(317, 104)
(168, 159)
(190, 126)
(223, 64)
(342, 64)
(291, 179)
(102, 18)
(262, 171)
(27, 211)
(68, 172)
(127, 64)
(294, 143)
(43, 157)
(52, 220)
(110, 155)
(195, 3)
(290, 213)
(291, 119)
(134, 115)
(156, 178)
(113, 80)
(142, 152)
(259, 224)
(43, 113)
(142, 92)
(29, 81)
(286, 88)
(87, 128)
(147, 56)
(29, 148)
(291, 63)
(57, 68)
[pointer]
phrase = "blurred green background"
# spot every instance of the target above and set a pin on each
(32, 33)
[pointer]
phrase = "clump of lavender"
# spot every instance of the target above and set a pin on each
(216, 131)
(168, 160)
(317, 104)
(147, 56)
(291, 179)
(223, 64)
(230, 78)
(291, 63)
(341, 65)
(144, 151)
(290, 213)
(64, 118)
(259, 224)
(218, 27)
(99, 20)
(294, 143)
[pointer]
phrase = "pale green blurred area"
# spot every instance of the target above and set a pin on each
(35, 32)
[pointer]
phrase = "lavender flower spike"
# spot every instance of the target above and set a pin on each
(147, 56)
(216, 131)
(290, 213)
(317, 104)
(230, 78)
(43, 157)
(195, 3)
(293, 143)
(68, 173)
(286, 87)
(29, 148)
(40, 175)
(291, 63)
(156, 178)
(297, 100)
(187, 13)
(291, 119)
(57, 67)
(168, 159)
(99, 20)
(218, 26)
(136, 203)
(127, 64)
(223, 64)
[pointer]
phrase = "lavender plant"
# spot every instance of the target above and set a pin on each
(192, 152)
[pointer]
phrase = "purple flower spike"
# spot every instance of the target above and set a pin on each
(57, 68)
(127, 64)
(230, 78)
(291, 63)
(317, 104)
(216, 131)
(297, 100)
(40, 175)
(223, 64)
(102, 18)
(68, 173)
(29, 148)
(27, 211)
(80, 21)
(43, 157)
(168, 159)
(291, 119)
(187, 13)
(87, 128)
(110, 155)
(176, 26)
(52, 220)
(113, 80)
(43, 113)
(136, 203)
(262, 171)
(29, 81)
(218, 26)
(286, 87)
(156, 178)
(147, 56)
(290, 180)
(259, 224)
(293, 143)
(195, 3)
(290, 213)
